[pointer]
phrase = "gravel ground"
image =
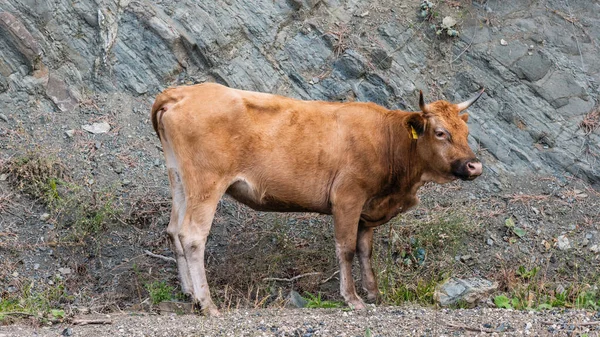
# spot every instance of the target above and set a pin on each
(381, 321)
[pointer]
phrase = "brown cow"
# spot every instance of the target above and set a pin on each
(359, 162)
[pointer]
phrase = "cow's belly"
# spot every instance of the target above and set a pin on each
(382, 210)
(245, 193)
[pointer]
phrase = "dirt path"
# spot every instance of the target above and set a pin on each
(387, 321)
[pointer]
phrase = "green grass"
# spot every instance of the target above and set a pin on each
(529, 290)
(45, 178)
(44, 305)
(160, 291)
(317, 302)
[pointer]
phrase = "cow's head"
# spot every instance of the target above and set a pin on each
(441, 132)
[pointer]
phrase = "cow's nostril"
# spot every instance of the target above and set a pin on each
(474, 168)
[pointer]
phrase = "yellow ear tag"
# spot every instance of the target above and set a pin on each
(413, 133)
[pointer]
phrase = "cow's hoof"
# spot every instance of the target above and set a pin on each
(211, 311)
(372, 298)
(357, 305)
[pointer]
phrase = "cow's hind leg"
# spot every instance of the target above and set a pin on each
(178, 211)
(364, 248)
(193, 234)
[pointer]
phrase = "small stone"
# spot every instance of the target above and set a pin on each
(97, 128)
(45, 216)
(157, 162)
(563, 242)
(67, 332)
(295, 300)
(469, 290)
(50, 282)
(595, 249)
(126, 182)
(3, 176)
(15, 274)
(97, 145)
(465, 258)
(585, 242)
(64, 271)
(91, 181)
(70, 133)
(535, 210)
(490, 242)
(4, 118)
(503, 42)
(36, 266)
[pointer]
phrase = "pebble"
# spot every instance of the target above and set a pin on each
(503, 42)
(64, 271)
(36, 266)
(67, 332)
(70, 133)
(563, 242)
(4, 118)
(45, 216)
(490, 242)
(3, 176)
(595, 249)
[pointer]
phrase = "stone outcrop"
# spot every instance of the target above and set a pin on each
(540, 83)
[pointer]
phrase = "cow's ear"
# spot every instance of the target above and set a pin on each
(465, 117)
(416, 123)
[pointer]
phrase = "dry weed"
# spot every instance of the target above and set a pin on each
(591, 121)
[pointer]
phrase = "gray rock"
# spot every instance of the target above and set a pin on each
(96, 128)
(563, 243)
(3, 84)
(60, 94)
(469, 290)
(295, 300)
(381, 59)
(64, 271)
(15, 31)
(45, 216)
(350, 65)
(533, 67)
(595, 249)
(70, 133)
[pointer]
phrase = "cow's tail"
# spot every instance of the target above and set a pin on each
(162, 103)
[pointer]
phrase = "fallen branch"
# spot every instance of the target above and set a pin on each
(330, 277)
(91, 321)
(469, 328)
(289, 279)
(165, 258)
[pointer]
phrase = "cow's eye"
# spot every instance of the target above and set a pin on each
(439, 134)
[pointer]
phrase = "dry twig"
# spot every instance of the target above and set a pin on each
(330, 277)
(165, 258)
(289, 279)
(91, 321)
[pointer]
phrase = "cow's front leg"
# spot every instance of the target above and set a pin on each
(364, 248)
(346, 228)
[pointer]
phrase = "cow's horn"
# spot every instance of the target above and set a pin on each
(462, 106)
(422, 105)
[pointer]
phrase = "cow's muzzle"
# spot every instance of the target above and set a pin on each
(467, 169)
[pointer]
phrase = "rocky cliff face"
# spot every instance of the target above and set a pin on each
(65, 63)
